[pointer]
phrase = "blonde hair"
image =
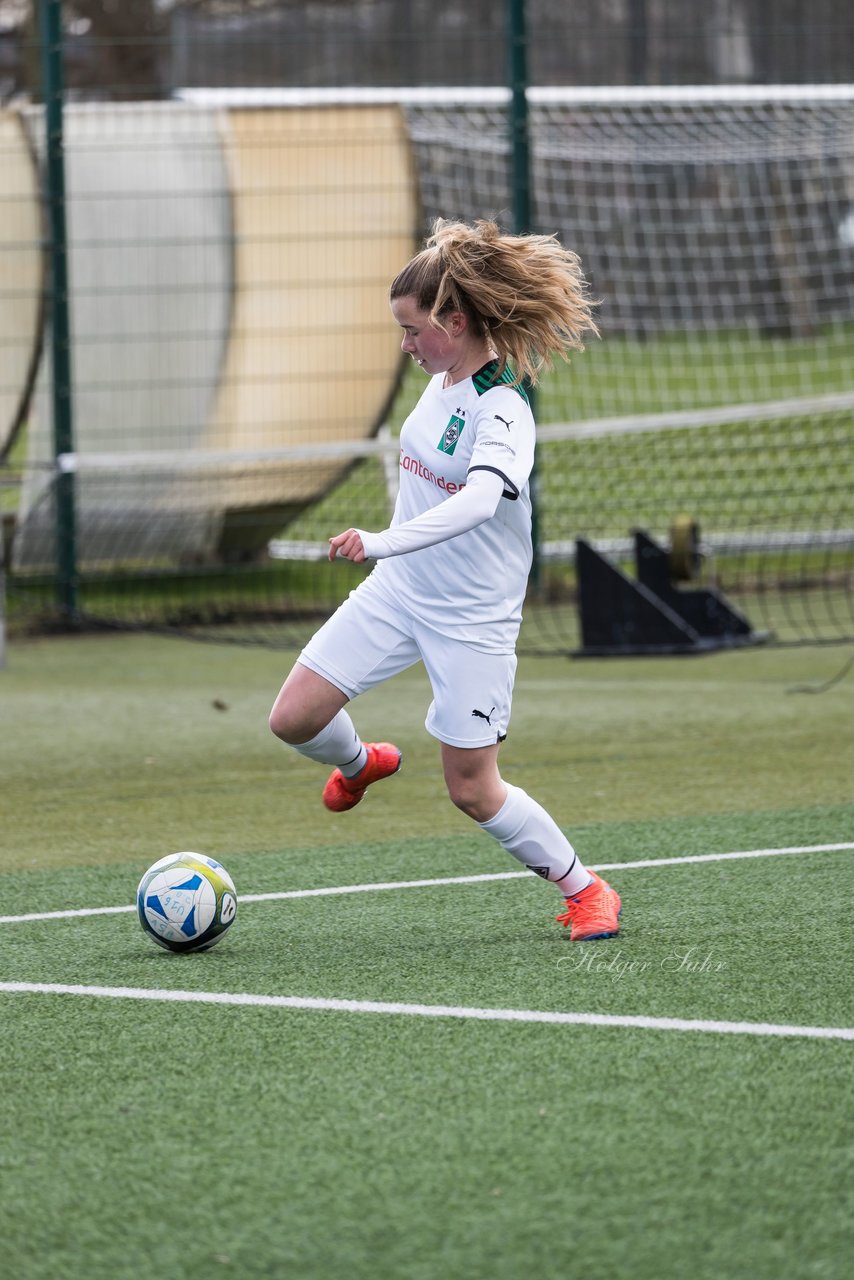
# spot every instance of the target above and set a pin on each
(526, 295)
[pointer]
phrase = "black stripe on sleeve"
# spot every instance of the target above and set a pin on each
(510, 490)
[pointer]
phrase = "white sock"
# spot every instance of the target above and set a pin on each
(525, 830)
(338, 743)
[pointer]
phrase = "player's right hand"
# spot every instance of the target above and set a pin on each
(348, 545)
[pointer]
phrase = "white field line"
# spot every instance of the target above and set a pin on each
(429, 1010)
(337, 890)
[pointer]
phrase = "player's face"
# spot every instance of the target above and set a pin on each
(435, 350)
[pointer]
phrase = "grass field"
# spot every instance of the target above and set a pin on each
(426, 1081)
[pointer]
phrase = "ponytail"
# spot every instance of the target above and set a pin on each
(526, 295)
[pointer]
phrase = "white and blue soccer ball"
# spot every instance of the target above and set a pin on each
(186, 901)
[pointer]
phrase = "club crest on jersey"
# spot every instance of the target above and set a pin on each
(451, 435)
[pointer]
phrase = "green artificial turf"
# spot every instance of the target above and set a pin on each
(190, 1140)
(119, 747)
(253, 1143)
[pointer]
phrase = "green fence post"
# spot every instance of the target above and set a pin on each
(520, 182)
(50, 22)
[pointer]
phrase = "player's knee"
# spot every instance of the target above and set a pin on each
(277, 723)
(467, 795)
(284, 724)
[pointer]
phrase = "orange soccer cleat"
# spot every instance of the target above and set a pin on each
(593, 913)
(342, 793)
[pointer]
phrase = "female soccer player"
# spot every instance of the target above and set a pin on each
(480, 311)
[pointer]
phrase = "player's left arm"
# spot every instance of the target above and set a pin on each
(476, 502)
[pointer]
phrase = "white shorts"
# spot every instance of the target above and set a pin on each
(372, 637)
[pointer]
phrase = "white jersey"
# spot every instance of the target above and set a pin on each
(470, 587)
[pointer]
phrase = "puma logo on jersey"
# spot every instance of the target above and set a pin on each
(498, 418)
(481, 715)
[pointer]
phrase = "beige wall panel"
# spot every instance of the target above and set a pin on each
(21, 267)
(229, 278)
(325, 212)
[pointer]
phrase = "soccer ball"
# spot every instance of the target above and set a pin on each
(186, 901)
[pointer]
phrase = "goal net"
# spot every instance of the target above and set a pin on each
(716, 226)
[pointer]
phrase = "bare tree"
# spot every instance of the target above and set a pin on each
(143, 48)
(113, 48)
